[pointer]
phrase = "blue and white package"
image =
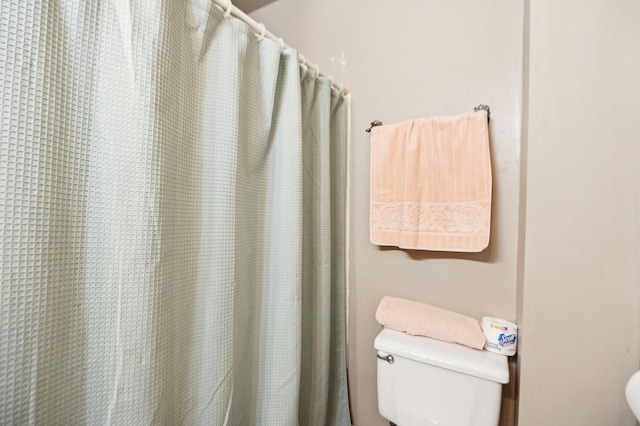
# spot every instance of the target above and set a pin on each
(501, 335)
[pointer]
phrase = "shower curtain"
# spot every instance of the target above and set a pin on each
(172, 213)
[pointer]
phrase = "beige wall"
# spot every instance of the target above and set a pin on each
(403, 60)
(578, 288)
(581, 293)
(250, 5)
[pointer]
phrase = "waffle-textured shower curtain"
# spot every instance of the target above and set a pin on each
(171, 196)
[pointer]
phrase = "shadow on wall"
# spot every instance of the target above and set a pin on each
(509, 396)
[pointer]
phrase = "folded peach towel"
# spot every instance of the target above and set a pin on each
(431, 183)
(421, 319)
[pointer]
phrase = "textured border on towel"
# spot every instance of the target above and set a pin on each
(459, 218)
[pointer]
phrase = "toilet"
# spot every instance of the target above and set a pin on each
(632, 391)
(422, 381)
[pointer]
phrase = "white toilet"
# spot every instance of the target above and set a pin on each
(422, 381)
(632, 391)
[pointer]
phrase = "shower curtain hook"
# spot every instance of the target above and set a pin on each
(227, 12)
(281, 41)
(262, 31)
(302, 60)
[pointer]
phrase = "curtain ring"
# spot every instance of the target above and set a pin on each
(262, 32)
(281, 41)
(302, 60)
(227, 12)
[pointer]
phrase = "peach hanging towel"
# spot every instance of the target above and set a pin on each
(431, 183)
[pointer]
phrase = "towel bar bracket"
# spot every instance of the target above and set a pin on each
(486, 108)
(373, 124)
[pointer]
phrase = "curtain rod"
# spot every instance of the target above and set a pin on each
(230, 9)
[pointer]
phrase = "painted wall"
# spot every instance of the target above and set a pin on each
(250, 5)
(580, 316)
(404, 60)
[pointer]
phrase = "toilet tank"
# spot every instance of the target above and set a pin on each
(422, 381)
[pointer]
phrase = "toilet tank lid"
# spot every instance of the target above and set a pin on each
(451, 356)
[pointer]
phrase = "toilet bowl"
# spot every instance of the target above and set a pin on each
(632, 392)
(422, 381)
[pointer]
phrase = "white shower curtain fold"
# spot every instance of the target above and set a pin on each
(172, 206)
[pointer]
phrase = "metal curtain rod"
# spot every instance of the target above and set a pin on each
(261, 32)
(376, 123)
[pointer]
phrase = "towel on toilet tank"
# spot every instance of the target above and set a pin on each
(422, 319)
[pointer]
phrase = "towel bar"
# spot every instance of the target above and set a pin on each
(375, 123)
